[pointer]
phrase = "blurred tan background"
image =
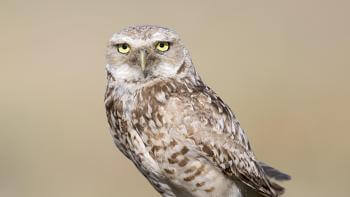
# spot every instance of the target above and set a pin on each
(282, 66)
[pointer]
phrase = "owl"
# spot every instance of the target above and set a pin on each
(176, 130)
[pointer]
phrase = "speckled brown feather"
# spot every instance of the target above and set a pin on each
(218, 138)
(182, 136)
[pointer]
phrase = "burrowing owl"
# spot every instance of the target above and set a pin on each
(181, 136)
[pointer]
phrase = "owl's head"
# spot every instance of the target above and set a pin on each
(140, 53)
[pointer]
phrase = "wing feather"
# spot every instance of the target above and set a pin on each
(218, 137)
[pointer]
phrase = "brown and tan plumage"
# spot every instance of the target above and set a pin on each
(183, 138)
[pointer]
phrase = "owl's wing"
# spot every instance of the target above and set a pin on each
(216, 134)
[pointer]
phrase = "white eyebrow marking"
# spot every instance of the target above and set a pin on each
(134, 43)
(158, 36)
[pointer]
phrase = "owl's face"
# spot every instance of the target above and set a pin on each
(141, 53)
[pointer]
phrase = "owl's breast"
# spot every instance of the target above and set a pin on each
(125, 113)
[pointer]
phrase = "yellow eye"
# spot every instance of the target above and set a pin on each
(162, 46)
(123, 48)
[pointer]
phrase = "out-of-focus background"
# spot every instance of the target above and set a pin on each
(282, 66)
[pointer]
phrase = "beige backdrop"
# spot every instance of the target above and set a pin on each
(282, 66)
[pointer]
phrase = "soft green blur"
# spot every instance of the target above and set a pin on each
(282, 66)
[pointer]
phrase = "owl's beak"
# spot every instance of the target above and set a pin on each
(142, 60)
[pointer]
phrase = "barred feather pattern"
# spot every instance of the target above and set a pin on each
(180, 134)
(179, 131)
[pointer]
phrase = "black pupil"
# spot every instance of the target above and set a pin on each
(161, 45)
(124, 46)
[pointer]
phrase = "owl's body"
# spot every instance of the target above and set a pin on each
(176, 130)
